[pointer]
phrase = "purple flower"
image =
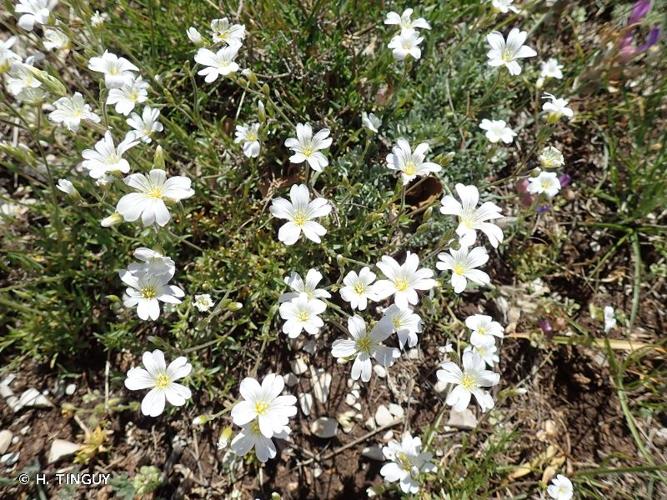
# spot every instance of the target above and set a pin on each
(639, 11)
(545, 326)
(565, 180)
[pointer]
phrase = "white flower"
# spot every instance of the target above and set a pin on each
(364, 346)
(194, 35)
(410, 164)
(487, 352)
(301, 314)
(472, 218)
(551, 69)
(556, 107)
(403, 280)
(405, 22)
(249, 136)
(23, 84)
(145, 125)
(371, 121)
(405, 322)
(299, 214)
(128, 95)
(469, 382)
(153, 191)
(560, 488)
(407, 463)
(264, 404)
(250, 437)
(545, 182)
(6, 54)
(462, 263)
(220, 63)
(55, 39)
(609, 318)
(405, 44)
(359, 288)
(98, 19)
(203, 302)
(34, 12)
(117, 71)
(152, 262)
(483, 330)
(306, 146)
(497, 130)
(307, 288)
(504, 6)
(107, 157)
(159, 378)
(67, 187)
(224, 32)
(71, 110)
(146, 290)
(551, 157)
(506, 52)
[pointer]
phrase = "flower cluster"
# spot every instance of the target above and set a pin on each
(406, 42)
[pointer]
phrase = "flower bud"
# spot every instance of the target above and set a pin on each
(51, 83)
(114, 219)
(158, 158)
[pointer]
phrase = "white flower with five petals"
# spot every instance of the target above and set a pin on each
(146, 290)
(222, 31)
(301, 314)
(483, 329)
(407, 462)
(403, 280)
(33, 12)
(306, 146)
(405, 322)
(462, 264)
(128, 95)
(249, 136)
(264, 404)
(160, 379)
(145, 125)
(304, 288)
(117, 70)
(411, 164)
(107, 158)
(472, 218)
(497, 130)
(153, 191)
(469, 382)
(405, 22)
(71, 110)
(220, 63)
(405, 44)
(358, 289)
(560, 488)
(508, 52)
(300, 213)
(365, 346)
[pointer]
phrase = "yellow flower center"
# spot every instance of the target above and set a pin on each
(300, 218)
(507, 55)
(308, 151)
(149, 292)
(114, 70)
(261, 407)
(251, 136)
(403, 461)
(468, 382)
(134, 95)
(363, 344)
(467, 221)
(459, 269)
(396, 322)
(162, 381)
(401, 284)
(410, 168)
(303, 316)
(359, 288)
(481, 330)
(155, 192)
